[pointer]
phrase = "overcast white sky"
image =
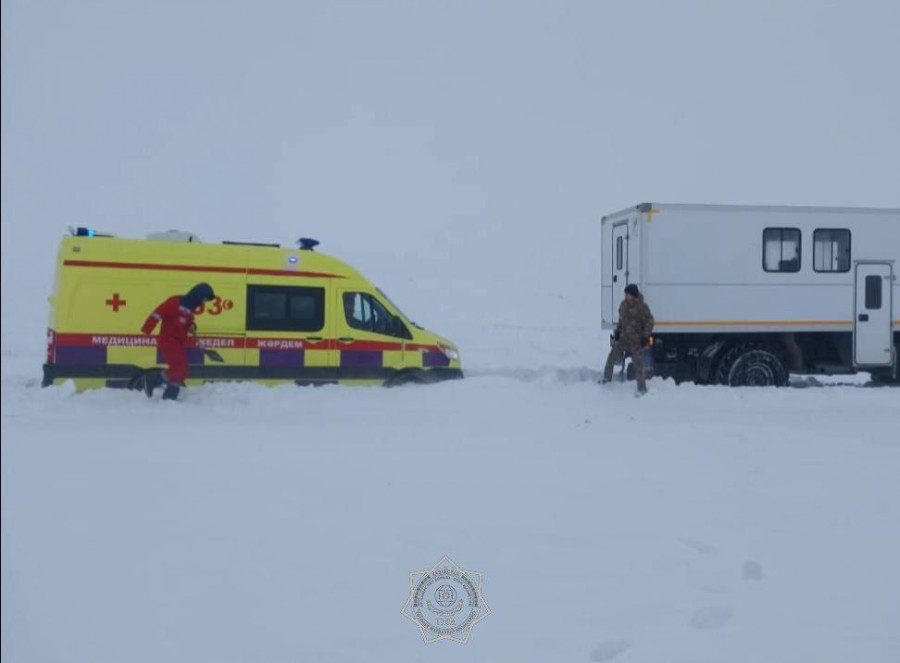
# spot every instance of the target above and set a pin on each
(431, 131)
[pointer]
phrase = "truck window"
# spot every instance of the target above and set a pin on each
(781, 250)
(873, 292)
(365, 312)
(831, 250)
(285, 308)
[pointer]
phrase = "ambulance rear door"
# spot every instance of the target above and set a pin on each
(289, 331)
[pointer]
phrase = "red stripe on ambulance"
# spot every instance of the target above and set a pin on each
(200, 268)
(232, 342)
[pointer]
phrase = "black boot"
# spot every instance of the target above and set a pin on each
(151, 381)
(171, 391)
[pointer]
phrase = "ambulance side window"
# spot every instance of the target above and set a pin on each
(285, 308)
(365, 312)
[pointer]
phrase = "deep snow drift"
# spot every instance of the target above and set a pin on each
(696, 524)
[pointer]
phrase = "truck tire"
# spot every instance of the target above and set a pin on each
(890, 375)
(751, 366)
(884, 376)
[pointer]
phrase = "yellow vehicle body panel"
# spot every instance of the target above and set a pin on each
(329, 323)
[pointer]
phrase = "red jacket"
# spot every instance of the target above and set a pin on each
(176, 321)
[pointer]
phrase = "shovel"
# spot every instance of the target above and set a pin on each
(213, 356)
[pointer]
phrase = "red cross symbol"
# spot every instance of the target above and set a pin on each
(115, 302)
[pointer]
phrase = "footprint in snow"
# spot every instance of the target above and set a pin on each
(752, 570)
(699, 546)
(607, 651)
(712, 617)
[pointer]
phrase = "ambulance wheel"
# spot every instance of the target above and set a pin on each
(751, 366)
(405, 377)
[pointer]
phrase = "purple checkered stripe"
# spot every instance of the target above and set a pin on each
(362, 358)
(435, 359)
(292, 357)
(194, 356)
(80, 355)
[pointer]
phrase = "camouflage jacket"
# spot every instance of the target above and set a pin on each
(635, 320)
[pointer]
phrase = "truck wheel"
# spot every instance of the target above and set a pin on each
(751, 366)
(629, 371)
(884, 376)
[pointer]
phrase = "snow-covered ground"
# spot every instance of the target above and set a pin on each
(255, 523)
(460, 155)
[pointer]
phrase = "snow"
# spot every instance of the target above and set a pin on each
(698, 523)
(461, 158)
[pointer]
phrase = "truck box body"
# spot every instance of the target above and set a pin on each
(795, 279)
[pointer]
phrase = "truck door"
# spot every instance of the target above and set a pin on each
(368, 340)
(872, 322)
(619, 259)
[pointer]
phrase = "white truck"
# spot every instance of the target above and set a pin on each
(745, 295)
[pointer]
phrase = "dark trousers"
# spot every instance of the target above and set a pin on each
(617, 353)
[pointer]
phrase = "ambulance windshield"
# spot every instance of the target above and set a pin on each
(397, 308)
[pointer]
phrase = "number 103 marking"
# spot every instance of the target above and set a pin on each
(215, 307)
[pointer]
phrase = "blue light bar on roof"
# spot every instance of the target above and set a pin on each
(82, 231)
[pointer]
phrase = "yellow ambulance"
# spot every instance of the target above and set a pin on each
(280, 315)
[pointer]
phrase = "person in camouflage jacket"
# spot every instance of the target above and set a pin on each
(631, 335)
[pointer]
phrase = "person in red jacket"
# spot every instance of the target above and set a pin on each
(176, 315)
